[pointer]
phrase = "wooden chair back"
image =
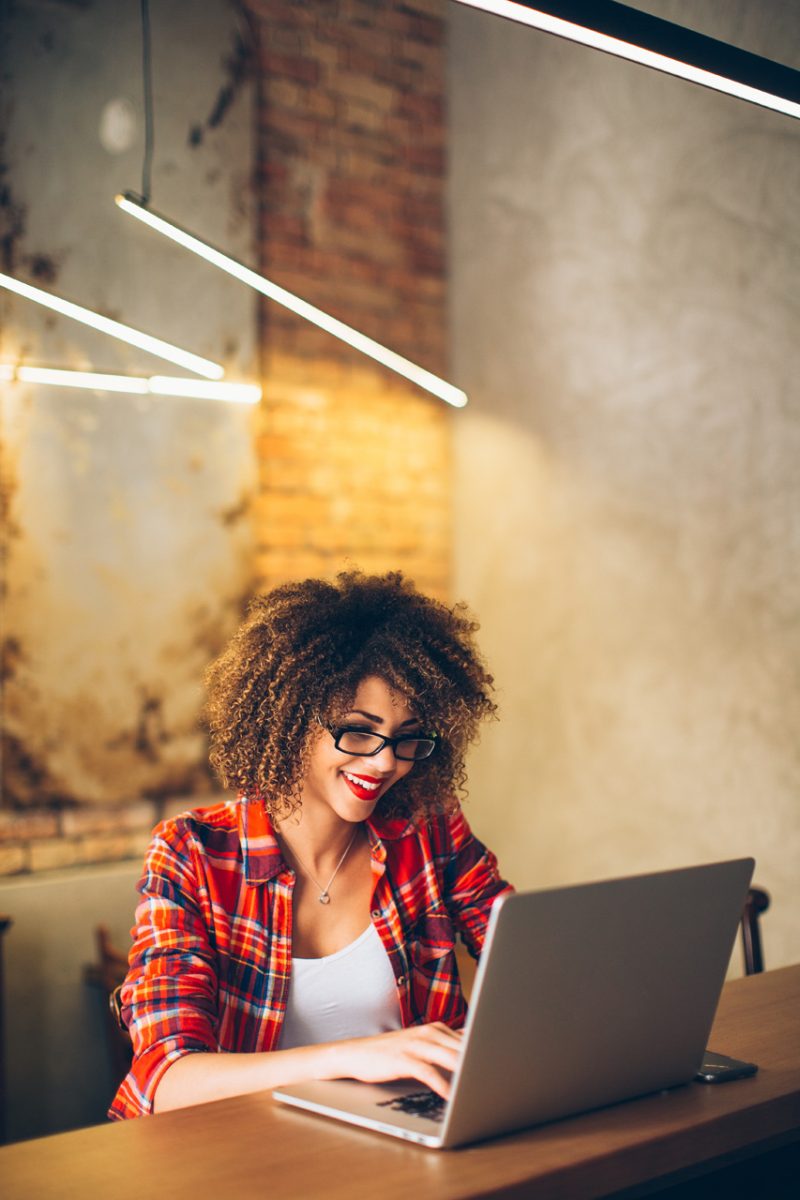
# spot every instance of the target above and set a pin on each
(107, 975)
(757, 903)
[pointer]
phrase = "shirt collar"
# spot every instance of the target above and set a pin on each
(261, 852)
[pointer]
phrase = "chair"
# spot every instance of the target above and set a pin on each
(757, 902)
(5, 923)
(107, 975)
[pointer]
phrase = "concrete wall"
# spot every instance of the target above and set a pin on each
(129, 547)
(624, 291)
(129, 550)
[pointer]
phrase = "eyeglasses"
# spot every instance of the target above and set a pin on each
(409, 747)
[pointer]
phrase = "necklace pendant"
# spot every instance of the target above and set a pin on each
(324, 898)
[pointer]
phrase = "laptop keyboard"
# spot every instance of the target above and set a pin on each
(417, 1104)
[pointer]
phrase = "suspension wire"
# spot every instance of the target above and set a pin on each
(147, 87)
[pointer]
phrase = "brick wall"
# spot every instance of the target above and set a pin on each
(354, 461)
(53, 839)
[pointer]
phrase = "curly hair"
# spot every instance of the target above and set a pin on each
(301, 654)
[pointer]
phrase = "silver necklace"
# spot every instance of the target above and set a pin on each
(325, 892)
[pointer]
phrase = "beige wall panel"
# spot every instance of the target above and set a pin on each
(625, 253)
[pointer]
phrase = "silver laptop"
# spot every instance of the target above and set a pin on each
(584, 996)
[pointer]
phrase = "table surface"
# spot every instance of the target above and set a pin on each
(251, 1146)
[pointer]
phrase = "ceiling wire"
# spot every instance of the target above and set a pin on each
(147, 88)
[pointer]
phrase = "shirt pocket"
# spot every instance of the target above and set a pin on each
(435, 991)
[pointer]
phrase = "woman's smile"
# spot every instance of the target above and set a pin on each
(365, 787)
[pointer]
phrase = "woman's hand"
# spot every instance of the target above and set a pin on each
(428, 1053)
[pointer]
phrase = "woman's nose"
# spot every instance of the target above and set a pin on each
(384, 760)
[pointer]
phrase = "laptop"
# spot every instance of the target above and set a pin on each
(584, 996)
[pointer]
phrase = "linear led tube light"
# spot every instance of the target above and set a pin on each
(629, 33)
(156, 385)
(153, 345)
(238, 393)
(132, 204)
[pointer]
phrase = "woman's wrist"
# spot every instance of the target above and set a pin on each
(330, 1060)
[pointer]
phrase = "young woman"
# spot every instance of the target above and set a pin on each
(307, 929)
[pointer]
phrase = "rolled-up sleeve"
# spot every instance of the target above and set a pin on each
(472, 880)
(169, 997)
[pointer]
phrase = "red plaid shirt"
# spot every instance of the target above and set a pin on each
(212, 954)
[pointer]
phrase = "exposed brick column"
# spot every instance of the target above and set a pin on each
(354, 461)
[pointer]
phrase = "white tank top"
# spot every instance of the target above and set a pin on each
(351, 993)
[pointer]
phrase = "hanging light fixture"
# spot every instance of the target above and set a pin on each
(138, 205)
(115, 329)
(156, 385)
(635, 35)
(134, 205)
(134, 385)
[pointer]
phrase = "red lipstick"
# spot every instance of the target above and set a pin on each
(364, 787)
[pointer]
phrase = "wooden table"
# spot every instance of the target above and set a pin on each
(250, 1147)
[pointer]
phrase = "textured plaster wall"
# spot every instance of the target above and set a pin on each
(624, 293)
(129, 549)
(128, 546)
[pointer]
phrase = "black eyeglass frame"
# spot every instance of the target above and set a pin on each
(336, 732)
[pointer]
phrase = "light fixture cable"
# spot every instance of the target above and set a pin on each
(147, 92)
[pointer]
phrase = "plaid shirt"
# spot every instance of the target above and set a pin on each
(212, 954)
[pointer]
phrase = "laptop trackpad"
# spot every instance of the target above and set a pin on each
(403, 1107)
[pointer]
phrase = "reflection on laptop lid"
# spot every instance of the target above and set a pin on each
(584, 996)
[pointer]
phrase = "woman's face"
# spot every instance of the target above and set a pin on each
(352, 785)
